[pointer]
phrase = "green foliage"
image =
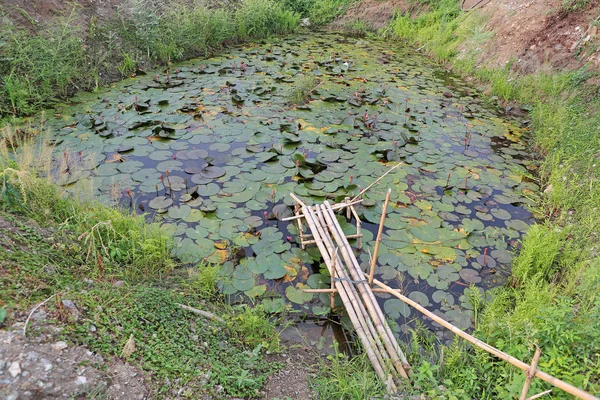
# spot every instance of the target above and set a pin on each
(172, 343)
(302, 7)
(114, 242)
(302, 90)
(342, 377)
(325, 11)
(574, 5)
(260, 18)
(34, 69)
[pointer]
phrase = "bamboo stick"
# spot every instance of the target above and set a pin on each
(358, 227)
(393, 349)
(537, 396)
(360, 311)
(492, 350)
(529, 378)
(348, 237)
(376, 181)
(360, 276)
(379, 233)
(374, 290)
(345, 296)
(335, 207)
(309, 236)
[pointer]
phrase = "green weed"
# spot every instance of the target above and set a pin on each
(260, 18)
(302, 90)
(342, 377)
(325, 11)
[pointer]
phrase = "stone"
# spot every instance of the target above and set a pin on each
(15, 369)
(68, 303)
(47, 365)
(119, 284)
(14, 395)
(81, 380)
(59, 346)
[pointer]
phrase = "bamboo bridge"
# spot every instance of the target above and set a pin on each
(318, 225)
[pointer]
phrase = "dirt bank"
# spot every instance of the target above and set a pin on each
(533, 34)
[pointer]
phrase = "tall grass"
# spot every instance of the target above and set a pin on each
(33, 69)
(114, 242)
(64, 57)
(551, 301)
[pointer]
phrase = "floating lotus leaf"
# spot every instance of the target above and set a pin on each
(296, 294)
(160, 202)
(396, 308)
(212, 172)
(179, 212)
(256, 291)
(470, 275)
(208, 190)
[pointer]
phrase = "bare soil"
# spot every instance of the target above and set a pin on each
(40, 366)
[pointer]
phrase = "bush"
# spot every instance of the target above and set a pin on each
(261, 18)
(34, 69)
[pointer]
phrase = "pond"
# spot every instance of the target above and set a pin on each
(212, 148)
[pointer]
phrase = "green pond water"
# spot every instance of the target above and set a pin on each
(213, 148)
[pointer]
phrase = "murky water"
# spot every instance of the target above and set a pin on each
(213, 148)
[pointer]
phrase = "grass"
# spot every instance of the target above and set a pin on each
(341, 377)
(551, 301)
(302, 90)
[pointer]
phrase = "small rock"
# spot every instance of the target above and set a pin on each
(119, 284)
(68, 304)
(548, 189)
(81, 380)
(15, 369)
(59, 346)
(448, 94)
(92, 328)
(2, 364)
(13, 395)
(47, 365)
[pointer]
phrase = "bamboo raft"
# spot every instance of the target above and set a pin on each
(352, 285)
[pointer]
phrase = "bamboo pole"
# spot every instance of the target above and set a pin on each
(348, 237)
(379, 233)
(537, 396)
(530, 371)
(389, 340)
(358, 227)
(345, 296)
(376, 181)
(374, 290)
(359, 306)
(336, 207)
(492, 350)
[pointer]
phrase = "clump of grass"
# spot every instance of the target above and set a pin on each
(302, 90)
(325, 11)
(115, 242)
(574, 5)
(34, 69)
(342, 377)
(260, 18)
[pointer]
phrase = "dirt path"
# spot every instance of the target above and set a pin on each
(40, 366)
